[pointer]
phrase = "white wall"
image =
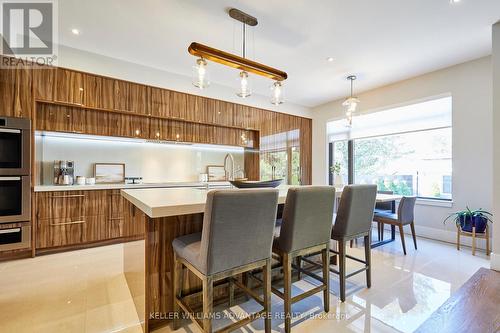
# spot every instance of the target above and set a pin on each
(495, 257)
(155, 162)
(470, 85)
(120, 69)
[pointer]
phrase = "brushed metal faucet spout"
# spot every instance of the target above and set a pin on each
(229, 175)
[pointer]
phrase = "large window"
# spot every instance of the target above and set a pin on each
(414, 161)
(280, 157)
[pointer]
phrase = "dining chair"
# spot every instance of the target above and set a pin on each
(237, 237)
(403, 216)
(382, 207)
(354, 220)
(305, 229)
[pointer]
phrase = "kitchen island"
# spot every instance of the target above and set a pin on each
(167, 213)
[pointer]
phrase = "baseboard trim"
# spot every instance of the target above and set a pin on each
(442, 235)
(495, 261)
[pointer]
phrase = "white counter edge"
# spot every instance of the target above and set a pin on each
(54, 188)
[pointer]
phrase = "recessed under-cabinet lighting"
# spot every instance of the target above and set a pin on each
(454, 1)
(330, 59)
(75, 31)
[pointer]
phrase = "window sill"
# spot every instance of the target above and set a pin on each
(437, 203)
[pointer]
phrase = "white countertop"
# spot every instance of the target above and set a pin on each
(163, 202)
(52, 188)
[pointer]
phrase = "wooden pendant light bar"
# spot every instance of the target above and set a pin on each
(228, 59)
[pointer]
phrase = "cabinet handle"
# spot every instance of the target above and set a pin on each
(115, 218)
(68, 196)
(67, 223)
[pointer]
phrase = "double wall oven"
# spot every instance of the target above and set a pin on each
(15, 191)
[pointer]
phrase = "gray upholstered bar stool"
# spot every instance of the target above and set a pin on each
(354, 219)
(404, 216)
(305, 229)
(237, 237)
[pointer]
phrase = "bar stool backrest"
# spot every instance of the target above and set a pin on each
(307, 217)
(238, 228)
(406, 209)
(355, 213)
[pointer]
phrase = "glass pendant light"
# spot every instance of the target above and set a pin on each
(277, 93)
(245, 88)
(351, 103)
(200, 74)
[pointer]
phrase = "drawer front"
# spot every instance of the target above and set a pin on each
(60, 205)
(71, 204)
(60, 232)
(64, 232)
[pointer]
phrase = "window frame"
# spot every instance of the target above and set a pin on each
(350, 160)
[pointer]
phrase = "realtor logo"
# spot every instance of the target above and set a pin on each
(29, 30)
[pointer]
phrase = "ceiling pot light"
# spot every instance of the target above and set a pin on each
(330, 59)
(351, 103)
(277, 93)
(200, 74)
(75, 31)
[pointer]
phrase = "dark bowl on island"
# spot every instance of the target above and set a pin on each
(256, 184)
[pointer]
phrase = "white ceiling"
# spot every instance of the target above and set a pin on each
(381, 41)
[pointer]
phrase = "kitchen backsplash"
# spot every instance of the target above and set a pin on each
(154, 162)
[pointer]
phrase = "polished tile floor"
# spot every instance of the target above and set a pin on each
(85, 291)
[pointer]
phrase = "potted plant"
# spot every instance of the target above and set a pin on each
(467, 219)
(336, 170)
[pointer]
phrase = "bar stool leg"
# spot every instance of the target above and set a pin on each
(267, 296)
(299, 265)
(208, 293)
(177, 291)
(368, 262)
(342, 267)
(231, 292)
(287, 291)
(458, 238)
(325, 254)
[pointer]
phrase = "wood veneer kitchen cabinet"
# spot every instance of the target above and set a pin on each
(15, 92)
(160, 102)
(131, 97)
(74, 219)
(70, 205)
(115, 219)
(44, 79)
(124, 125)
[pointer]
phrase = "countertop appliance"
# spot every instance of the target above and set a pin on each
(64, 172)
(15, 192)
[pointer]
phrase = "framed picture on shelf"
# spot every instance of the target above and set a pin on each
(216, 173)
(109, 173)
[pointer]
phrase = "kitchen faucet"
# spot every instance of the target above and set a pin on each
(229, 176)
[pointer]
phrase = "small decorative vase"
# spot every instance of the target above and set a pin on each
(338, 181)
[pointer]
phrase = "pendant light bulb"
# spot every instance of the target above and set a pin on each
(200, 74)
(277, 93)
(245, 89)
(351, 103)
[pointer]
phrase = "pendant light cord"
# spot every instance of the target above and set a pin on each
(244, 38)
(351, 86)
